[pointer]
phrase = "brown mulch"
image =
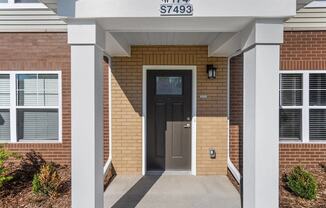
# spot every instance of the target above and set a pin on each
(18, 192)
(289, 200)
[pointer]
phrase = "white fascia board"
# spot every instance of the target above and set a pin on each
(207, 8)
(117, 45)
(85, 32)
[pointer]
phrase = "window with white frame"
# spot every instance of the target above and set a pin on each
(303, 106)
(30, 106)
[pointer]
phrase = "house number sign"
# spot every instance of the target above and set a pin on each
(176, 8)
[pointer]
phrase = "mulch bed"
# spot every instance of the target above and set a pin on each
(289, 200)
(18, 192)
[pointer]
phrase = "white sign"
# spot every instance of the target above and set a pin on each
(176, 8)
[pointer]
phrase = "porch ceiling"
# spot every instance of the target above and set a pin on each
(167, 38)
(122, 33)
(118, 43)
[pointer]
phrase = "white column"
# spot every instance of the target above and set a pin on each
(261, 119)
(87, 116)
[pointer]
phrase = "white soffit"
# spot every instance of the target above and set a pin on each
(167, 38)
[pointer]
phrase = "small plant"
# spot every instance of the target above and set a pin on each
(5, 157)
(302, 183)
(47, 181)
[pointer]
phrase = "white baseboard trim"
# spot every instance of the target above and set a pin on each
(234, 171)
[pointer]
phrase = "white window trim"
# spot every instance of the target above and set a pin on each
(305, 107)
(13, 107)
(13, 5)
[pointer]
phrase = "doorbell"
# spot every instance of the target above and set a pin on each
(212, 153)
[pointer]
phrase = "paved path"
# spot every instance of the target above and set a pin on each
(171, 191)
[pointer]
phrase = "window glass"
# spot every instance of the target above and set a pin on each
(37, 90)
(4, 125)
(37, 124)
(169, 85)
(27, 1)
(290, 124)
(291, 90)
(4, 90)
(317, 89)
(317, 124)
(3, 1)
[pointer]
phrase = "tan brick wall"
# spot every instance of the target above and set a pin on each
(46, 52)
(127, 106)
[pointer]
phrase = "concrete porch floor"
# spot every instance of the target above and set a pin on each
(171, 191)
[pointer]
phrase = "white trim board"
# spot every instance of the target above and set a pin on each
(194, 110)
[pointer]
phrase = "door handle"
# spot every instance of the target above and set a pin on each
(187, 125)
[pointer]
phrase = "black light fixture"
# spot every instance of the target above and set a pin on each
(211, 71)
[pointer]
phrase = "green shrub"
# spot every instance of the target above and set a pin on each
(47, 181)
(5, 157)
(302, 183)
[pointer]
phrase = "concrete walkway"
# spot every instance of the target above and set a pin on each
(171, 191)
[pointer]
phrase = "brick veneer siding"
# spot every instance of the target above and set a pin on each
(127, 106)
(106, 110)
(303, 50)
(46, 52)
(236, 111)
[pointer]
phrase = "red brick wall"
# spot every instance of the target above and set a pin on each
(46, 52)
(106, 110)
(303, 50)
(236, 110)
(308, 155)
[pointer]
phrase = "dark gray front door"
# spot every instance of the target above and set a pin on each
(169, 120)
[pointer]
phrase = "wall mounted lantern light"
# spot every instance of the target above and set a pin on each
(211, 71)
